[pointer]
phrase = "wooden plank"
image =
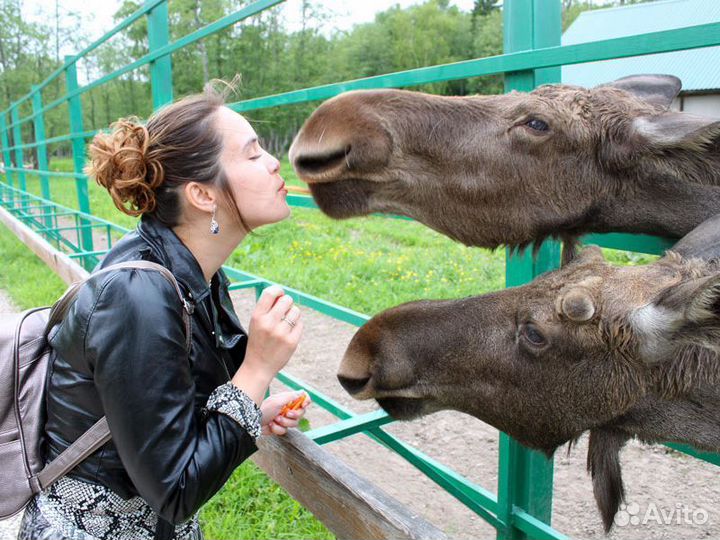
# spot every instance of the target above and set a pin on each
(68, 270)
(349, 505)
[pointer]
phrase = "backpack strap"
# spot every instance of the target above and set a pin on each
(74, 454)
(99, 433)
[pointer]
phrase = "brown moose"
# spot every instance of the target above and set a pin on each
(512, 169)
(620, 351)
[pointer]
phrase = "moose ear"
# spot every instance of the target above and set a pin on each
(676, 130)
(696, 302)
(703, 242)
(686, 313)
(657, 90)
(603, 464)
(577, 305)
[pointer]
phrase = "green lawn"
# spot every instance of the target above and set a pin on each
(367, 264)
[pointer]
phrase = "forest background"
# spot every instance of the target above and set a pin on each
(269, 56)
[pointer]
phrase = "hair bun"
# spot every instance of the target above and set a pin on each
(122, 163)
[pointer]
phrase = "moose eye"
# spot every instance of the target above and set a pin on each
(537, 125)
(531, 333)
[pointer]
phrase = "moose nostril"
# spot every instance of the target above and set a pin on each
(353, 386)
(318, 163)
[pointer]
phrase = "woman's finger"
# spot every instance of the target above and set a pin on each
(268, 298)
(297, 330)
(293, 314)
(286, 422)
(281, 307)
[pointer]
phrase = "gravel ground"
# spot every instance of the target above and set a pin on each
(658, 480)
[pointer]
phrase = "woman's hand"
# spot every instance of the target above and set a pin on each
(275, 330)
(274, 423)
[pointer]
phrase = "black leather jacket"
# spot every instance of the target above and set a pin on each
(121, 352)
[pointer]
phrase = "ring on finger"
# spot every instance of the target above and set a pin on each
(291, 323)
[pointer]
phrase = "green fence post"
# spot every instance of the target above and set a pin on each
(78, 149)
(39, 122)
(7, 160)
(525, 477)
(161, 68)
(17, 143)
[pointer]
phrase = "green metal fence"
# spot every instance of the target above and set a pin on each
(533, 56)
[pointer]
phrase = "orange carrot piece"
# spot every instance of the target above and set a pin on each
(294, 405)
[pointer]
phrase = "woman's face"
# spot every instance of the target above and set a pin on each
(253, 174)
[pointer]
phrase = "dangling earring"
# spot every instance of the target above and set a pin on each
(214, 226)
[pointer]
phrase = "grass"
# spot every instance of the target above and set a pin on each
(27, 279)
(367, 264)
(251, 506)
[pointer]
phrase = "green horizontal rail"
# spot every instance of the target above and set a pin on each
(692, 37)
(690, 451)
(350, 426)
(82, 254)
(60, 229)
(480, 500)
(318, 304)
(640, 243)
(653, 245)
(49, 173)
(59, 138)
(534, 528)
(301, 201)
(246, 284)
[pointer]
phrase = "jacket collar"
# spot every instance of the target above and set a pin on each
(169, 250)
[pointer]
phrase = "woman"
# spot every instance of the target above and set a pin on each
(181, 418)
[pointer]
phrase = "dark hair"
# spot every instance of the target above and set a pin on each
(144, 167)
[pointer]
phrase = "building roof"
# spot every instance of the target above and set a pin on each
(699, 69)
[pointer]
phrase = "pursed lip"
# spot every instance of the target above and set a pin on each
(282, 186)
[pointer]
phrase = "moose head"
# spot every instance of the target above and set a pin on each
(516, 168)
(620, 351)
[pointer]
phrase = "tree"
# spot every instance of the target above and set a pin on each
(482, 8)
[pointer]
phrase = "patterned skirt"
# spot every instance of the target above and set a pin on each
(71, 509)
